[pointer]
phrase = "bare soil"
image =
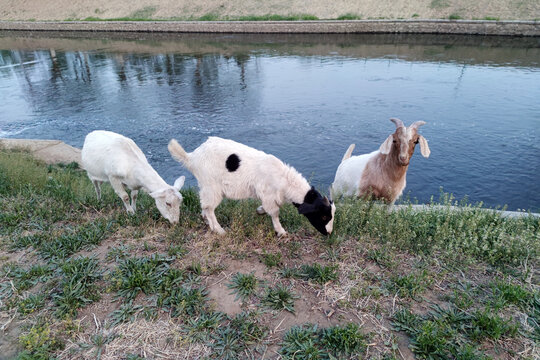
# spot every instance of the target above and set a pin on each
(322, 9)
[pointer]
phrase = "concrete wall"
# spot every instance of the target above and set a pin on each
(469, 27)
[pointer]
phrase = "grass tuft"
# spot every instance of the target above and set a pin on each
(310, 342)
(280, 297)
(243, 285)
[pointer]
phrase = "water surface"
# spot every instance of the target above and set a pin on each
(303, 98)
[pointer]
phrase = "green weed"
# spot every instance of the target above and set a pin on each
(512, 293)
(134, 275)
(318, 273)
(280, 297)
(118, 253)
(78, 285)
(485, 324)
(185, 300)
(126, 312)
(243, 285)
(39, 342)
(271, 260)
(410, 285)
(199, 328)
(349, 16)
(31, 303)
(310, 342)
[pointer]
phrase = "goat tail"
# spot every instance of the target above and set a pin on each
(178, 152)
(348, 152)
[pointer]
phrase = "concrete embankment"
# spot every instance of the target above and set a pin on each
(48, 151)
(462, 27)
(56, 151)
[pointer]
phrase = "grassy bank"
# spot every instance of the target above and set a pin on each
(149, 10)
(80, 279)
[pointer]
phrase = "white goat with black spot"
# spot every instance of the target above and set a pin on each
(225, 168)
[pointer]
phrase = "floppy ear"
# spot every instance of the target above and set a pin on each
(158, 193)
(311, 196)
(179, 183)
(424, 148)
(305, 208)
(386, 145)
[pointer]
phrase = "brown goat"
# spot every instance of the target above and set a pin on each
(382, 173)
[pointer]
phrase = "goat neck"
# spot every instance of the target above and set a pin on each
(296, 187)
(149, 179)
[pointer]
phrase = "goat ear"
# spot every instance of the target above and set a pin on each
(311, 196)
(158, 193)
(386, 145)
(305, 208)
(179, 183)
(424, 148)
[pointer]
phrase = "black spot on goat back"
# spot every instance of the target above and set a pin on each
(232, 163)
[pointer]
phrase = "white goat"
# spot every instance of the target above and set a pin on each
(382, 173)
(225, 168)
(107, 156)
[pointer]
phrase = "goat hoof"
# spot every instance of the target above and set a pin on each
(260, 210)
(219, 231)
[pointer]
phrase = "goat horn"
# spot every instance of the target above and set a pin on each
(326, 201)
(398, 122)
(416, 124)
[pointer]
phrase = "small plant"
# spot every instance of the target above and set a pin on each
(226, 344)
(243, 285)
(78, 285)
(318, 273)
(280, 297)
(350, 16)
(405, 320)
(195, 268)
(301, 342)
(289, 272)
(512, 293)
(381, 257)
(31, 303)
(249, 330)
(410, 285)
(39, 342)
(454, 17)
(200, 327)
(134, 275)
(100, 340)
(176, 250)
(126, 312)
(271, 260)
(488, 325)
(209, 17)
(343, 341)
(118, 253)
(185, 300)
(309, 342)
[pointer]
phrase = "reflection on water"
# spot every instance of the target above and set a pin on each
(302, 98)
